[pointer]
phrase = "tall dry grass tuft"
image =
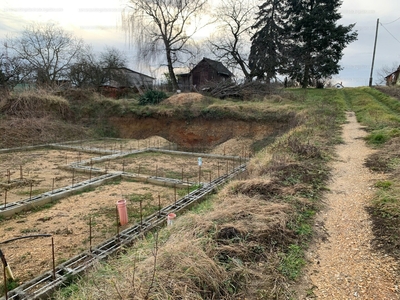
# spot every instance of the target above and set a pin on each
(35, 104)
(16, 132)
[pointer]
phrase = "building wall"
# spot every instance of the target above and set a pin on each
(203, 74)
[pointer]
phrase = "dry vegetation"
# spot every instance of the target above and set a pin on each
(31, 118)
(392, 91)
(247, 242)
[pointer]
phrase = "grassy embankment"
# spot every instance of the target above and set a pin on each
(248, 240)
(380, 114)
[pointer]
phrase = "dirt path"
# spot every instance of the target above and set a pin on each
(344, 266)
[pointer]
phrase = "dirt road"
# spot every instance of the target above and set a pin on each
(344, 266)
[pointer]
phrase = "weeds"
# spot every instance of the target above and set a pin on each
(11, 284)
(381, 114)
(292, 262)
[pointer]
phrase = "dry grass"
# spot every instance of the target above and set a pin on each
(16, 132)
(34, 104)
(385, 159)
(247, 245)
(183, 98)
(216, 255)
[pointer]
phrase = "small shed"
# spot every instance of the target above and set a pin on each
(393, 78)
(124, 79)
(206, 72)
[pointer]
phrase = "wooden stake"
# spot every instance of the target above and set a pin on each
(141, 215)
(159, 205)
(5, 198)
(175, 192)
(5, 280)
(54, 260)
(90, 234)
(30, 192)
(20, 172)
(199, 174)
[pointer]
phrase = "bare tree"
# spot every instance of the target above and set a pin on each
(163, 26)
(231, 42)
(385, 71)
(48, 49)
(92, 71)
(13, 70)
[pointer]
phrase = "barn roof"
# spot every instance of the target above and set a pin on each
(397, 71)
(218, 66)
(131, 71)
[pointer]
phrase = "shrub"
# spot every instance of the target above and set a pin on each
(152, 97)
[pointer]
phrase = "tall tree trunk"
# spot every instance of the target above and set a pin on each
(171, 72)
(306, 76)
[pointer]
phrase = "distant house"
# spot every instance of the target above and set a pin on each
(339, 85)
(122, 80)
(206, 72)
(393, 78)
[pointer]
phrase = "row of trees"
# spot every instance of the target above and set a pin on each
(47, 55)
(297, 38)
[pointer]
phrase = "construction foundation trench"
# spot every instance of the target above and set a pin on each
(58, 210)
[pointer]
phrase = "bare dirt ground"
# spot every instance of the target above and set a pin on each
(344, 265)
(171, 166)
(68, 219)
(39, 167)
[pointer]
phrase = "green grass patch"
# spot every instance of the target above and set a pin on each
(11, 284)
(140, 197)
(34, 192)
(292, 262)
(384, 185)
(45, 206)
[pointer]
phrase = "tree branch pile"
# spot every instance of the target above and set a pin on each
(244, 91)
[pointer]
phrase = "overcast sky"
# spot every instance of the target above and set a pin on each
(98, 22)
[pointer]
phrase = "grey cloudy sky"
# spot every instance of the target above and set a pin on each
(98, 23)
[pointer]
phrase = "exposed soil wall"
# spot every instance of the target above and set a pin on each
(196, 132)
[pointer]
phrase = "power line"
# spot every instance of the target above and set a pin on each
(390, 33)
(392, 21)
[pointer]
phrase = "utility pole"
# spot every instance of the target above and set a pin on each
(373, 55)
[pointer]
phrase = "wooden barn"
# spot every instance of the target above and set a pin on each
(206, 72)
(123, 80)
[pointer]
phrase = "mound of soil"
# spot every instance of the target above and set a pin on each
(183, 98)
